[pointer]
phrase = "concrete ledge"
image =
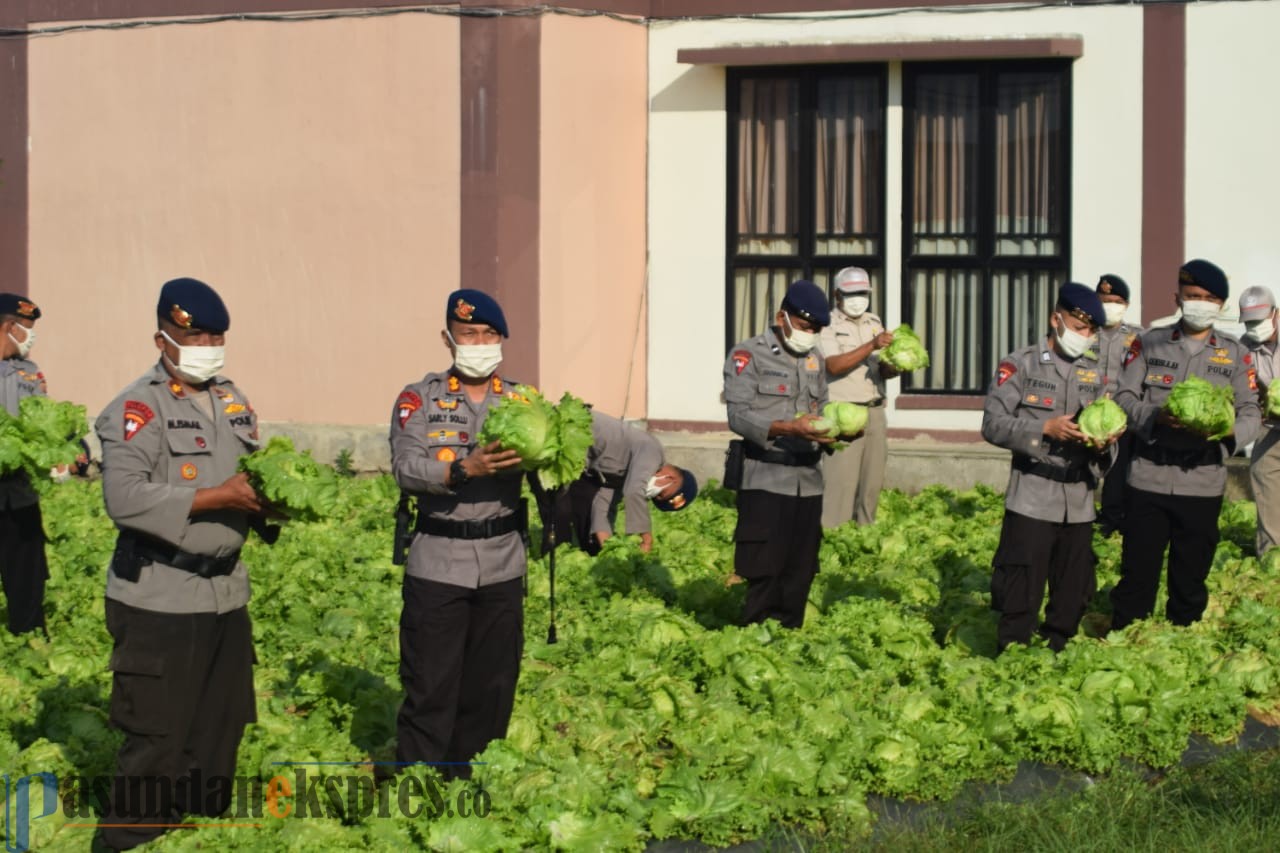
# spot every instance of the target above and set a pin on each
(370, 450)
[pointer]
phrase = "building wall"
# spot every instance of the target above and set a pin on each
(687, 174)
(308, 171)
(592, 208)
(1232, 179)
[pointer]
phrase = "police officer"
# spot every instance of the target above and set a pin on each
(768, 379)
(182, 663)
(1258, 313)
(1177, 476)
(23, 569)
(623, 464)
(1046, 537)
(461, 629)
(1114, 340)
(855, 475)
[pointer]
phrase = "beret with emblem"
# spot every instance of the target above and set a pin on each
(1256, 303)
(1113, 285)
(681, 499)
(475, 306)
(15, 305)
(1080, 300)
(1204, 274)
(805, 299)
(191, 304)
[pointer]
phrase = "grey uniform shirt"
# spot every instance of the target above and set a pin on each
(764, 382)
(1158, 360)
(1113, 343)
(865, 383)
(158, 447)
(1031, 386)
(619, 450)
(18, 378)
(433, 423)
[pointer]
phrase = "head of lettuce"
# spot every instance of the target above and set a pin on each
(1203, 407)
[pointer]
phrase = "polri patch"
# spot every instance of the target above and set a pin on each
(406, 404)
(136, 415)
(1004, 371)
(741, 358)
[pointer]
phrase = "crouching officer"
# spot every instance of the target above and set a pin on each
(1047, 533)
(768, 379)
(1177, 476)
(624, 464)
(23, 568)
(182, 662)
(461, 628)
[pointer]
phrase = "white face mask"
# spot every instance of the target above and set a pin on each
(1115, 312)
(798, 340)
(1072, 343)
(1199, 314)
(655, 485)
(1260, 331)
(475, 361)
(24, 346)
(197, 365)
(855, 306)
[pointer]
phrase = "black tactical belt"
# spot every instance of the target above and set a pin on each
(155, 550)
(609, 481)
(874, 404)
(486, 528)
(1026, 465)
(782, 457)
(1211, 455)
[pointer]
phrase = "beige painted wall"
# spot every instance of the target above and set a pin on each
(309, 171)
(592, 277)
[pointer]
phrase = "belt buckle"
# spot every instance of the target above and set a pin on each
(473, 528)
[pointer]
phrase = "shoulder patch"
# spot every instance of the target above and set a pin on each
(406, 404)
(1004, 371)
(741, 358)
(1134, 350)
(136, 415)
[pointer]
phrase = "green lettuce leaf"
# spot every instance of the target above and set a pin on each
(906, 353)
(1203, 407)
(292, 482)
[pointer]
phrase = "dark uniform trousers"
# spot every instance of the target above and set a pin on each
(175, 679)
(776, 551)
(1189, 525)
(451, 712)
(23, 569)
(1032, 553)
(573, 515)
(1114, 500)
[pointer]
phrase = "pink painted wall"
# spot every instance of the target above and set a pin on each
(594, 127)
(309, 171)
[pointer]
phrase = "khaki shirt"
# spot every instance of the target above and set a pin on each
(1031, 386)
(619, 450)
(158, 447)
(1112, 345)
(433, 423)
(864, 384)
(19, 378)
(764, 382)
(1155, 362)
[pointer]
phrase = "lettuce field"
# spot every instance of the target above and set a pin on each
(655, 716)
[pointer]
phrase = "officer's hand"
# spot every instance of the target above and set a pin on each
(1063, 428)
(489, 460)
(1163, 417)
(602, 536)
(234, 494)
(802, 427)
(882, 340)
(646, 542)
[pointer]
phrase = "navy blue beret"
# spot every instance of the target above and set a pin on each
(1113, 285)
(1080, 300)
(475, 306)
(805, 299)
(18, 306)
(1204, 274)
(681, 499)
(191, 304)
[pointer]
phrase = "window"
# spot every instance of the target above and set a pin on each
(806, 184)
(986, 192)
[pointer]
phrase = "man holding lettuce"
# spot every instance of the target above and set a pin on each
(1180, 445)
(1258, 313)
(1047, 533)
(461, 628)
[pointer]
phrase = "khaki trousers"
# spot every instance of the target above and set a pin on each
(1264, 476)
(852, 478)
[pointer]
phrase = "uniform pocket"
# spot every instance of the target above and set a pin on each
(139, 700)
(777, 388)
